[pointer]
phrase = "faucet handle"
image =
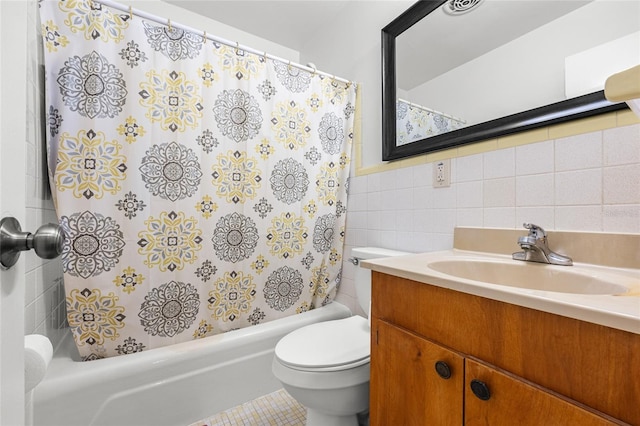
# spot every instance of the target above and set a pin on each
(535, 230)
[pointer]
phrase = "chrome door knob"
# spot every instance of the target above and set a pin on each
(47, 241)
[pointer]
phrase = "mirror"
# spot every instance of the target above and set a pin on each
(450, 79)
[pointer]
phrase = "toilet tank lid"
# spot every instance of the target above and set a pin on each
(375, 252)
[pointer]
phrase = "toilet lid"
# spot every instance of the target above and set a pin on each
(326, 344)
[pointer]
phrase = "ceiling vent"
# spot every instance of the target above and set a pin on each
(460, 7)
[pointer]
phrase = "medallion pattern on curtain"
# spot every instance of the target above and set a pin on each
(201, 188)
(414, 123)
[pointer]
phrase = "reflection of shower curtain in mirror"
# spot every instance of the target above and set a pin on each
(414, 122)
(202, 188)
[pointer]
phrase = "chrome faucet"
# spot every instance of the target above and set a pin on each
(535, 249)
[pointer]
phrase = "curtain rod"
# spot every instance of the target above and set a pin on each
(411, 104)
(137, 12)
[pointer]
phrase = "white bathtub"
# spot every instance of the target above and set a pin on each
(175, 385)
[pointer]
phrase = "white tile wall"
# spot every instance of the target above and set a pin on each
(501, 163)
(621, 218)
(535, 158)
(579, 152)
(499, 192)
(587, 182)
(533, 190)
(622, 184)
(469, 194)
(621, 146)
(468, 168)
(578, 187)
(44, 292)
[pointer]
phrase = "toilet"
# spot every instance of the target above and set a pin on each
(325, 366)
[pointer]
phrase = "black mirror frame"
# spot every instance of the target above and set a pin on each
(570, 109)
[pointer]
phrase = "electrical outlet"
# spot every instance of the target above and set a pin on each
(442, 173)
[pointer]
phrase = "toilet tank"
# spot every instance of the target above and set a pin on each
(362, 276)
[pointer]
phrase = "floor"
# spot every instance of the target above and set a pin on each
(275, 409)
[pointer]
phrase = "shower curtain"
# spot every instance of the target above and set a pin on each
(414, 122)
(202, 188)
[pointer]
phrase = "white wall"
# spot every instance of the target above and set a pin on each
(215, 28)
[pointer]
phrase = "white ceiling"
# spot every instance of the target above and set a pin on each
(289, 23)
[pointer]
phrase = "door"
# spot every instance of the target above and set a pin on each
(499, 398)
(13, 138)
(406, 387)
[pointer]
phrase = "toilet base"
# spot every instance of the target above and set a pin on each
(317, 418)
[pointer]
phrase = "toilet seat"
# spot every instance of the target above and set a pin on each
(327, 346)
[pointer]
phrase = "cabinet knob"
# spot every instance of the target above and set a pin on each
(480, 389)
(443, 369)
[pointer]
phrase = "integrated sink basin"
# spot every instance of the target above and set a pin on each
(533, 276)
(601, 287)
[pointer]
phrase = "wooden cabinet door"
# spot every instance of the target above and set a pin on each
(512, 401)
(406, 389)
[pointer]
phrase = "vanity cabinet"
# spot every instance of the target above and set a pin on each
(513, 401)
(406, 389)
(535, 368)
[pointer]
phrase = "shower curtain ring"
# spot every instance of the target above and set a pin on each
(169, 25)
(237, 48)
(204, 37)
(265, 57)
(130, 13)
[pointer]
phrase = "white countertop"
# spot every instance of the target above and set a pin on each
(620, 311)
